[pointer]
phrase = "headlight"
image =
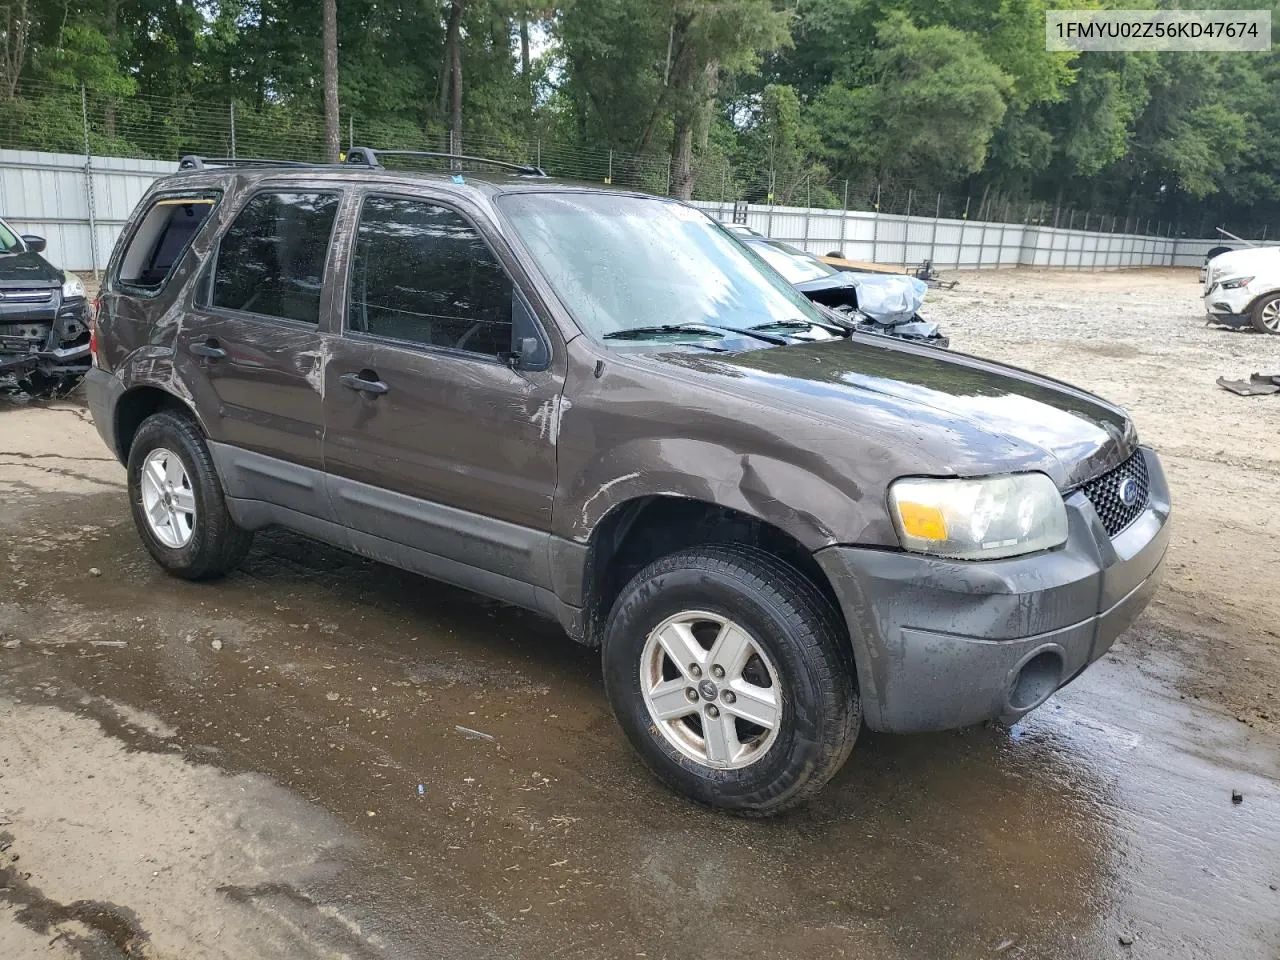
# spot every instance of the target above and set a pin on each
(979, 519)
(71, 286)
(1236, 283)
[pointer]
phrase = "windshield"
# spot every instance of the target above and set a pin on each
(796, 265)
(9, 242)
(619, 263)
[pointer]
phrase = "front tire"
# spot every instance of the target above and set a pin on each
(177, 501)
(1266, 314)
(725, 668)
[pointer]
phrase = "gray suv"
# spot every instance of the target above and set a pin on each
(602, 407)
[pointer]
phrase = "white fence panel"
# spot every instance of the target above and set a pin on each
(49, 194)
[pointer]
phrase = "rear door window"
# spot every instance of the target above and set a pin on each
(271, 259)
(160, 240)
(422, 274)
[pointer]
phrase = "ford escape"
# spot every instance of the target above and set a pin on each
(600, 406)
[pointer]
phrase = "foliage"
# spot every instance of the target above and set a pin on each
(801, 101)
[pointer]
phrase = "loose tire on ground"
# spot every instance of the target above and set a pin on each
(797, 636)
(1266, 314)
(206, 542)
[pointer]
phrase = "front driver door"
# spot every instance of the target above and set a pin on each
(434, 439)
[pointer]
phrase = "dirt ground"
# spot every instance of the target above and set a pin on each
(285, 763)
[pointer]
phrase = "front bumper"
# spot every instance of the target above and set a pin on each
(1228, 307)
(51, 338)
(941, 644)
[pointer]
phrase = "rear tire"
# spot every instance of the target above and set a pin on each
(177, 501)
(1266, 314)
(796, 679)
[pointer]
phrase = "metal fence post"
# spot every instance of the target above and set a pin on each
(875, 227)
(88, 184)
(351, 132)
(233, 129)
(808, 212)
(1003, 222)
(1083, 237)
(906, 228)
(982, 239)
(964, 222)
(933, 237)
(844, 216)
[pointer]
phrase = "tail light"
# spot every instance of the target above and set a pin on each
(94, 312)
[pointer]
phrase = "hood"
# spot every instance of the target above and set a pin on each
(29, 270)
(951, 413)
(1239, 262)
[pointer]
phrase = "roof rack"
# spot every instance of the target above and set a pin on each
(367, 157)
(193, 162)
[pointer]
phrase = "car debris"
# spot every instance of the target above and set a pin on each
(884, 304)
(1258, 385)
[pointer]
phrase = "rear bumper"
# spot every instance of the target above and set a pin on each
(103, 391)
(941, 644)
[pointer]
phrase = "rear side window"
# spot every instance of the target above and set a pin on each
(271, 259)
(160, 240)
(422, 274)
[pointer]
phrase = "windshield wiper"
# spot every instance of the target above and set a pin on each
(798, 325)
(639, 333)
(705, 329)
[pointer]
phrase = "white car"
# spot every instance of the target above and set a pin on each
(1243, 287)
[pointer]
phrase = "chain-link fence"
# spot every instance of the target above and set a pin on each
(57, 118)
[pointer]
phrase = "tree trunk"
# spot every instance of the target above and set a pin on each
(451, 87)
(331, 132)
(113, 32)
(682, 155)
(17, 27)
(526, 69)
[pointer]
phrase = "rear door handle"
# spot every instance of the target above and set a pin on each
(366, 381)
(208, 348)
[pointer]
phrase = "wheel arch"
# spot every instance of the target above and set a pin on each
(139, 402)
(639, 530)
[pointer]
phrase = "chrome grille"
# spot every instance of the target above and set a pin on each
(26, 296)
(1104, 493)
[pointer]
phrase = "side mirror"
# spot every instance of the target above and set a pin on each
(34, 244)
(528, 352)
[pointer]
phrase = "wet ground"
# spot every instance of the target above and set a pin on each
(321, 756)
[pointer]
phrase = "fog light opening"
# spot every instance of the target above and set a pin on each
(1038, 678)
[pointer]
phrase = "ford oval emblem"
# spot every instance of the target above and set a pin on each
(1127, 491)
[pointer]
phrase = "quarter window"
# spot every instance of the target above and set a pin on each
(271, 259)
(422, 274)
(161, 239)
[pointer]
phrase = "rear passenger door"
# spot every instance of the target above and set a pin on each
(433, 439)
(251, 347)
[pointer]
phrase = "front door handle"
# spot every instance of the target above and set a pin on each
(366, 381)
(208, 348)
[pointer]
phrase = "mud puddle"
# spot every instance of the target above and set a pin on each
(302, 718)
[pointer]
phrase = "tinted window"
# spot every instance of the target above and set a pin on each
(423, 274)
(271, 260)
